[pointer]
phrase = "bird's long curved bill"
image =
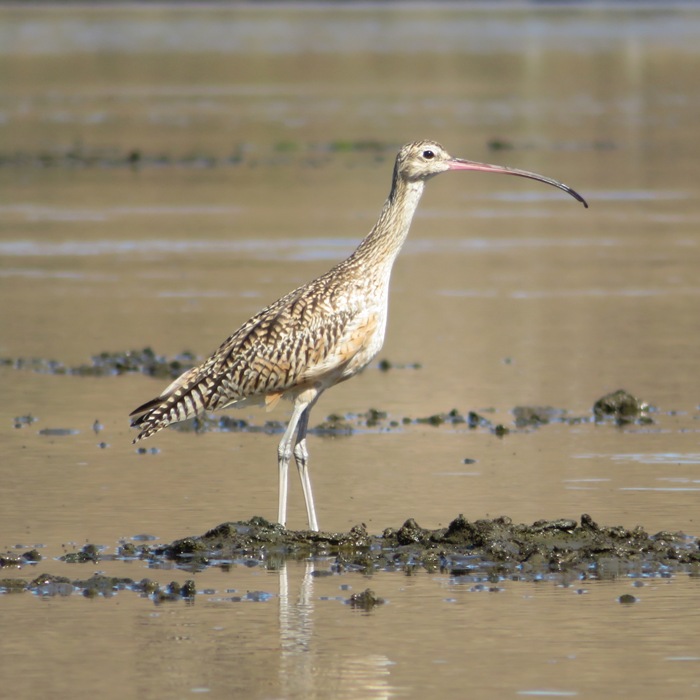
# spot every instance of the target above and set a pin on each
(459, 164)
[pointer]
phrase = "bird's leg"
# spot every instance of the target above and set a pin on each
(284, 454)
(301, 456)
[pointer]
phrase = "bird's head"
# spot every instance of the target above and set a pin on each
(420, 160)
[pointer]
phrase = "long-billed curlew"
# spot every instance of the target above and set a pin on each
(318, 335)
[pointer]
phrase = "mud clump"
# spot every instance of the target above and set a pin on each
(111, 363)
(366, 600)
(89, 553)
(144, 361)
(334, 425)
(98, 585)
(258, 540)
(481, 552)
(174, 592)
(50, 585)
(622, 408)
(17, 560)
(534, 416)
(494, 547)
(627, 599)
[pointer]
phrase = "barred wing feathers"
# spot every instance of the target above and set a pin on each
(287, 344)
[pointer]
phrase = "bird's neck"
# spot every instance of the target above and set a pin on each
(383, 243)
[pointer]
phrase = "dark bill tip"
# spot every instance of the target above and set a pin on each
(459, 164)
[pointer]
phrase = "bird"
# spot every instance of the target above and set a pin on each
(318, 335)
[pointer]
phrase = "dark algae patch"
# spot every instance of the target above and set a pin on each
(489, 545)
(483, 552)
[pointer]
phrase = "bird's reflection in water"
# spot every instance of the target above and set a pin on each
(307, 668)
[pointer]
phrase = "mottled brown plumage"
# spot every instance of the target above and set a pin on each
(318, 335)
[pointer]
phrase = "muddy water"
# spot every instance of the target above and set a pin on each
(166, 172)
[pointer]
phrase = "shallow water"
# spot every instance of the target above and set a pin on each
(264, 141)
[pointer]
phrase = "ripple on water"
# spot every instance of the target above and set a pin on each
(646, 457)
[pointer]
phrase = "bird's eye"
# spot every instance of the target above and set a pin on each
(428, 155)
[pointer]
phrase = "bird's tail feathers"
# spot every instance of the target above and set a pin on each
(183, 399)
